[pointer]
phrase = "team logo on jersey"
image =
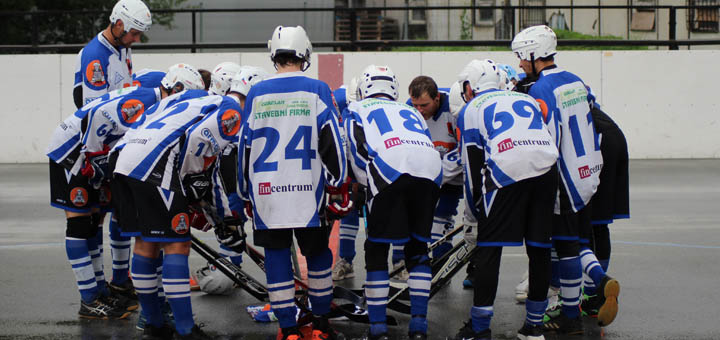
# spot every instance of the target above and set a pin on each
(395, 141)
(264, 188)
(505, 145)
(104, 195)
(79, 196)
(586, 171)
(94, 73)
(180, 223)
(132, 110)
(230, 122)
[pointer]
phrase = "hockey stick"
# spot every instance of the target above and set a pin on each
(244, 280)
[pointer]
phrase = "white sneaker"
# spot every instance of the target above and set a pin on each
(342, 270)
(402, 276)
(521, 290)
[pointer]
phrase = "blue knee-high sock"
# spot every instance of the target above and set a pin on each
(605, 264)
(398, 252)
(281, 286)
(120, 253)
(419, 284)
(377, 287)
(481, 316)
(555, 271)
(320, 281)
(144, 279)
(535, 310)
(591, 268)
(95, 248)
(349, 226)
(79, 257)
(235, 257)
(176, 282)
(570, 281)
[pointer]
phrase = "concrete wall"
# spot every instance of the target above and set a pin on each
(663, 109)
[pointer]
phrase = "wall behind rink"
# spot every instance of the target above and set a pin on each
(664, 101)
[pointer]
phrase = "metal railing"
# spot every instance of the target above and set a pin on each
(353, 43)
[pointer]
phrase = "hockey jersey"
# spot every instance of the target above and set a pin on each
(442, 125)
(100, 68)
(126, 105)
(563, 100)
(184, 138)
(148, 78)
(290, 150)
(504, 141)
(387, 139)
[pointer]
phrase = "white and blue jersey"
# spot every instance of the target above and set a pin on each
(504, 141)
(100, 68)
(290, 149)
(341, 99)
(563, 100)
(387, 139)
(181, 139)
(67, 139)
(148, 78)
(442, 124)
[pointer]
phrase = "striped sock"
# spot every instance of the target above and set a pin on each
(144, 278)
(419, 284)
(377, 287)
(481, 317)
(349, 226)
(535, 310)
(281, 286)
(95, 248)
(79, 257)
(176, 281)
(592, 268)
(570, 280)
(439, 228)
(398, 253)
(605, 264)
(320, 281)
(120, 253)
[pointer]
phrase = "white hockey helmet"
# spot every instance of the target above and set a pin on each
(222, 76)
(535, 42)
(133, 13)
(213, 281)
(184, 74)
(455, 99)
(377, 80)
(351, 91)
(246, 78)
(481, 74)
(291, 40)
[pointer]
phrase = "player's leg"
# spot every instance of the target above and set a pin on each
(349, 226)
(602, 293)
(120, 252)
(398, 260)
(486, 271)
(279, 275)
(443, 221)
(567, 247)
(377, 286)
(313, 244)
(601, 245)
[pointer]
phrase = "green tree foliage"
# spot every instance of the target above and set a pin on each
(66, 28)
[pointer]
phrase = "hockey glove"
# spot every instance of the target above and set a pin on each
(96, 167)
(198, 219)
(231, 236)
(339, 203)
(196, 186)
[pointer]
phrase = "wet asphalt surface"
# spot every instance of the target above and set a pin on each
(665, 257)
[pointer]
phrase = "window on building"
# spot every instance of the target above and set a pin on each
(643, 18)
(701, 17)
(484, 15)
(532, 16)
(417, 16)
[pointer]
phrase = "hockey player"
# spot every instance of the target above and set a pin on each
(162, 168)
(290, 154)
(393, 155)
(563, 102)
(510, 182)
(104, 64)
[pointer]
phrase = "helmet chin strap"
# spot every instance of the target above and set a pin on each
(532, 62)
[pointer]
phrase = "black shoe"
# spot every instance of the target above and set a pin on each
(98, 309)
(530, 332)
(120, 301)
(608, 295)
(323, 331)
(125, 289)
(589, 305)
(564, 325)
(467, 333)
(195, 334)
(157, 333)
(418, 336)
